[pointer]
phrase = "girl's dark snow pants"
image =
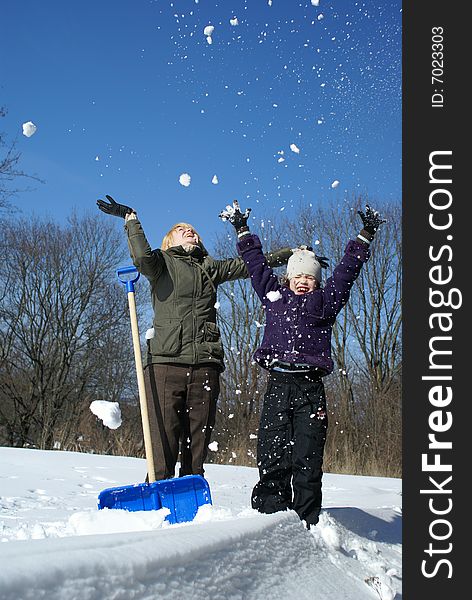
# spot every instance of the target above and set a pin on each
(291, 439)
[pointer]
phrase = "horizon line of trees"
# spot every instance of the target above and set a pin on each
(65, 341)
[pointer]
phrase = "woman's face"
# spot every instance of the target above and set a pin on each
(302, 284)
(184, 235)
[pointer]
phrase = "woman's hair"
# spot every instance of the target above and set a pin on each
(167, 241)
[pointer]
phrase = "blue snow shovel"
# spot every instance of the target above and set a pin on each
(181, 495)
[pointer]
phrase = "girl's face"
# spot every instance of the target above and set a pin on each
(184, 235)
(302, 284)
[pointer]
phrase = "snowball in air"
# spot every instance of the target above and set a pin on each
(273, 296)
(234, 22)
(209, 29)
(294, 148)
(335, 184)
(184, 179)
(213, 446)
(108, 412)
(315, 2)
(214, 180)
(29, 128)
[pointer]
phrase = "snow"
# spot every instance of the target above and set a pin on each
(234, 21)
(29, 128)
(295, 148)
(108, 412)
(208, 32)
(229, 211)
(274, 296)
(58, 546)
(335, 184)
(214, 180)
(185, 179)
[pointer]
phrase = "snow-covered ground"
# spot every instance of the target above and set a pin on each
(58, 546)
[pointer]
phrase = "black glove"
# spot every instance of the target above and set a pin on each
(371, 220)
(113, 208)
(323, 260)
(234, 215)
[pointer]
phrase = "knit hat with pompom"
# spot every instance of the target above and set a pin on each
(303, 261)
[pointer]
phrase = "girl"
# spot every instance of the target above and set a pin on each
(296, 350)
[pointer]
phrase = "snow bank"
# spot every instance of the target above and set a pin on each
(50, 548)
(252, 554)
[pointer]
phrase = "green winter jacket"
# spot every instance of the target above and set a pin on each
(183, 294)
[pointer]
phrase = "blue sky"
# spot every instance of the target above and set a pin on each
(128, 95)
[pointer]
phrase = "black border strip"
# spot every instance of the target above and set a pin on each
(434, 122)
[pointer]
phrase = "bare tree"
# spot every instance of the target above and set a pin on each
(63, 322)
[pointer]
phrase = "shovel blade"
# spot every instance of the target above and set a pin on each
(183, 496)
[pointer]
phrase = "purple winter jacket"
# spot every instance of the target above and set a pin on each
(298, 327)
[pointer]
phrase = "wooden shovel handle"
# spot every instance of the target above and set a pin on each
(141, 389)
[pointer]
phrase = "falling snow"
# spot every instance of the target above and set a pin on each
(29, 129)
(184, 179)
(108, 412)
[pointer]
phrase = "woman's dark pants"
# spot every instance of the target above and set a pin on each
(182, 408)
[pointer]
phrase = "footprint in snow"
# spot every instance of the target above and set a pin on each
(104, 479)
